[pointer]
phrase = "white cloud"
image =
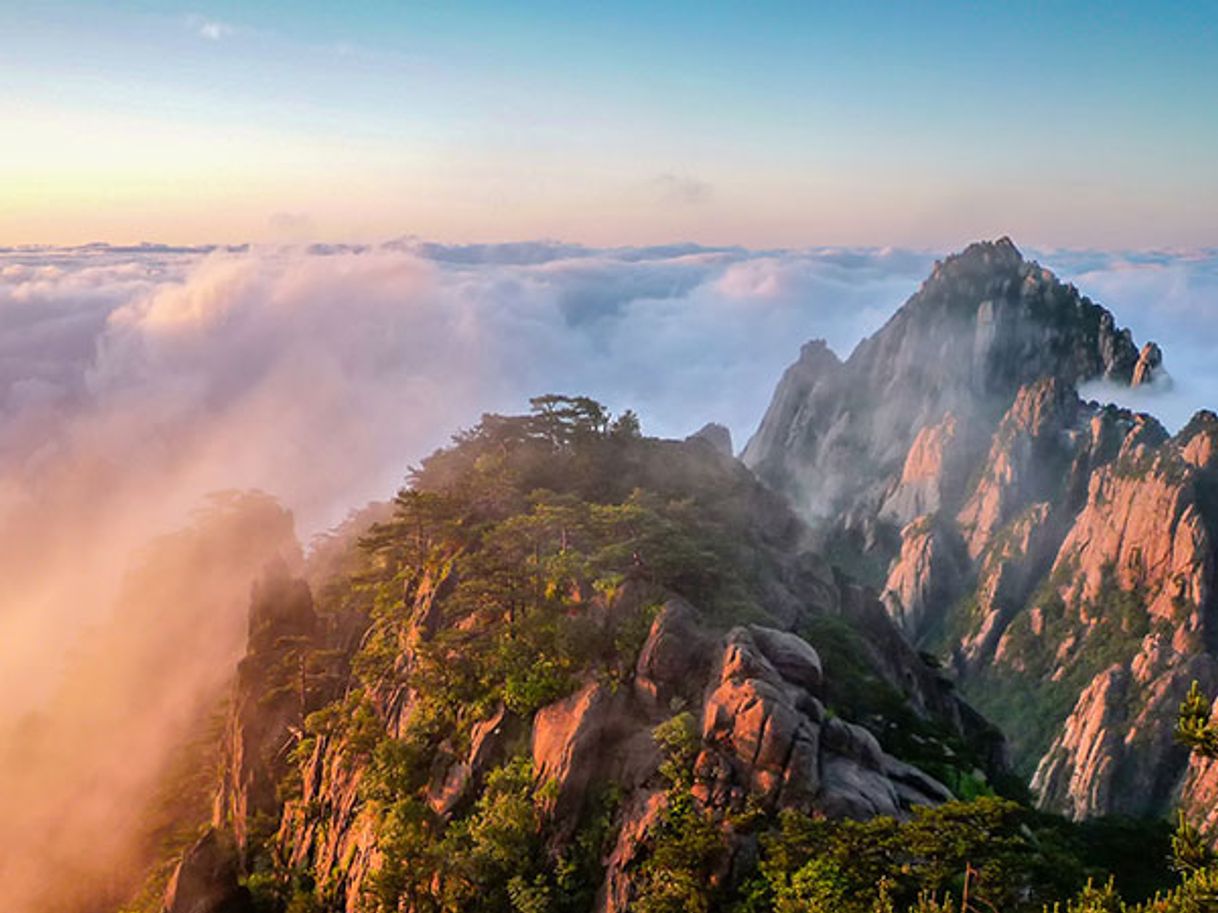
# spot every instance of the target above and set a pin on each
(680, 189)
(211, 29)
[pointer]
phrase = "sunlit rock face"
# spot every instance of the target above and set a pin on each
(1060, 553)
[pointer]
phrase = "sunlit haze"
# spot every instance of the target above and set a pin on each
(1065, 124)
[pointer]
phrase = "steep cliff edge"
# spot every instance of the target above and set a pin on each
(1061, 553)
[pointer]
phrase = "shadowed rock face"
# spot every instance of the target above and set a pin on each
(1062, 553)
(206, 880)
(270, 700)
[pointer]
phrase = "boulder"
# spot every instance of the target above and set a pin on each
(791, 656)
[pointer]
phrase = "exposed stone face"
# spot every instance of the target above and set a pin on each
(791, 656)
(343, 840)
(675, 654)
(1025, 461)
(641, 814)
(983, 325)
(593, 735)
(764, 729)
(930, 476)
(1142, 524)
(1116, 753)
(270, 700)
(1150, 361)
(926, 576)
(766, 734)
(1137, 555)
(1008, 572)
(1079, 770)
(1199, 441)
(790, 410)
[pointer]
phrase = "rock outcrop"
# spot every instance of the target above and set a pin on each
(1147, 370)
(716, 435)
(926, 577)
(984, 324)
(765, 741)
(767, 736)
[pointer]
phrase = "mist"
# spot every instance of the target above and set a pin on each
(135, 382)
(1169, 297)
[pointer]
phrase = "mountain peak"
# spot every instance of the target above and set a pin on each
(985, 324)
(1003, 250)
(981, 258)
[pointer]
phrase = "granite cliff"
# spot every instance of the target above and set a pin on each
(1058, 552)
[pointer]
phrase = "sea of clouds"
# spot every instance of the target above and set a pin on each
(320, 373)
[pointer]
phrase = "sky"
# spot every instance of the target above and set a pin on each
(1064, 124)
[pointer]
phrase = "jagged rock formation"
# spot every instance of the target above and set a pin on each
(984, 324)
(1140, 546)
(1060, 552)
(1147, 370)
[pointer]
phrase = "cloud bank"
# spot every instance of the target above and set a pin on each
(1170, 297)
(319, 373)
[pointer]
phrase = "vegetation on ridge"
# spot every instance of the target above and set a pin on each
(527, 560)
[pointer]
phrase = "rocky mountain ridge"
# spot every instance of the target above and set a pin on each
(715, 662)
(1060, 552)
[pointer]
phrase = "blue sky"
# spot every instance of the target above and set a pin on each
(1063, 124)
